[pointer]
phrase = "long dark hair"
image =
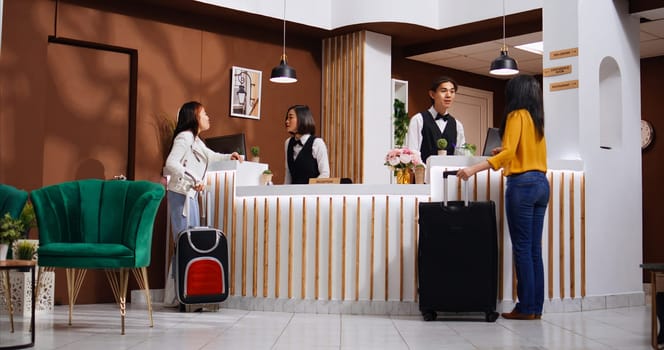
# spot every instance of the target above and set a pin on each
(524, 92)
(305, 120)
(187, 120)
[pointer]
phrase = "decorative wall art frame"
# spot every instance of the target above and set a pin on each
(246, 93)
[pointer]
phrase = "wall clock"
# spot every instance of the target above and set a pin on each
(647, 134)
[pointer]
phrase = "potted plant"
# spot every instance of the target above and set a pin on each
(467, 149)
(400, 122)
(10, 230)
(255, 154)
(266, 177)
(25, 249)
(442, 145)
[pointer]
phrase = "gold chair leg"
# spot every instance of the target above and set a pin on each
(75, 279)
(141, 275)
(119, 284)
(8, 297)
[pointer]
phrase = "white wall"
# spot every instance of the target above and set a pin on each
(613, 177)
(377, 113)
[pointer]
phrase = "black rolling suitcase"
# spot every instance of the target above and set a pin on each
(457, 256)
(201, 267)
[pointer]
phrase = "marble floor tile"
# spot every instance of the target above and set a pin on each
(98, 326)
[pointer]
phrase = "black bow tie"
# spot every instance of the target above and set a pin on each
(443, 117)
(298, 142)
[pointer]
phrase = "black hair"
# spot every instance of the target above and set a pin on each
(187, 120)
(442, 79)
(524, 92)
(305, 120)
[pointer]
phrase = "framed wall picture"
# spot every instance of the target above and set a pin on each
(246, 93)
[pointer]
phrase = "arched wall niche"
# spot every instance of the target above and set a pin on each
(610, 104)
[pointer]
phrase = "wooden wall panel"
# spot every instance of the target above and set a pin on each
(342, 121)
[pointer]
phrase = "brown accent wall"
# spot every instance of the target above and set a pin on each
(652, 110)
(180, 59)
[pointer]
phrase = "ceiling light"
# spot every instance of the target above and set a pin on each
(504, 64)
(536, 48)
(283, 73)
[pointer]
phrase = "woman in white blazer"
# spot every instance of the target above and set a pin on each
(186, 165)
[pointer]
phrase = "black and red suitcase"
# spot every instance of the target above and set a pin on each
(457, 256)
(201, 267)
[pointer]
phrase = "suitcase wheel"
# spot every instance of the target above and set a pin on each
(431, 315)
(491, 316)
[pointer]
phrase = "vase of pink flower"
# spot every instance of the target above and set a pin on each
(402, 161)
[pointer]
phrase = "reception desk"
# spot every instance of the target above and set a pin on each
(352, 248)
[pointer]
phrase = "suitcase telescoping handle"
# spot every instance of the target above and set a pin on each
(205, 194)
(447, 173)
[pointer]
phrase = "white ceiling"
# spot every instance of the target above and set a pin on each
(477, 58)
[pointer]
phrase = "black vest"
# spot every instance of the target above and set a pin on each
(431, 133)
(305, 165)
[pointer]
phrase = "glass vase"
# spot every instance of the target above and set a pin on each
(403, 176)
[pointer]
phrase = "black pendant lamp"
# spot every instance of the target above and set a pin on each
(283, 73)
(504, 64)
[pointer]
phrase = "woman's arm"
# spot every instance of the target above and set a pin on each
(213, 156)
(466, 173)
(181, 144)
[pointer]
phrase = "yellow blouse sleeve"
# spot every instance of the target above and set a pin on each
(522, 149)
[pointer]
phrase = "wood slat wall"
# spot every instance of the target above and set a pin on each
(342, 112)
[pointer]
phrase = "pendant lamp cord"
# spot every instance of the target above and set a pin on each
(284, 33)
(504, 45)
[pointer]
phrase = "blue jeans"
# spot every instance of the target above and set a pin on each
(526, 198)
(178, 221)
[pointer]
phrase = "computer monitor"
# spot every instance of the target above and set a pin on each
(492, 141)
(227, 143)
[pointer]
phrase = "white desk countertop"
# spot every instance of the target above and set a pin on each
(341, 189)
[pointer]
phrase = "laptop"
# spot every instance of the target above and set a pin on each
(492, 141)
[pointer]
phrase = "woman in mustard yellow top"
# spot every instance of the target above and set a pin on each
(523, 160)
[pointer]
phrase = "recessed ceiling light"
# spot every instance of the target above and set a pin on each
(537, 48)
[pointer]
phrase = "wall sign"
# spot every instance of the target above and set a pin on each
(553, 71)
(554, 55)
(564, 85)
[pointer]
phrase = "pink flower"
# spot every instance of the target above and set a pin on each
(400, 158)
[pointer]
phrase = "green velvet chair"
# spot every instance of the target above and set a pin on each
(12, 200)
(98, 224)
